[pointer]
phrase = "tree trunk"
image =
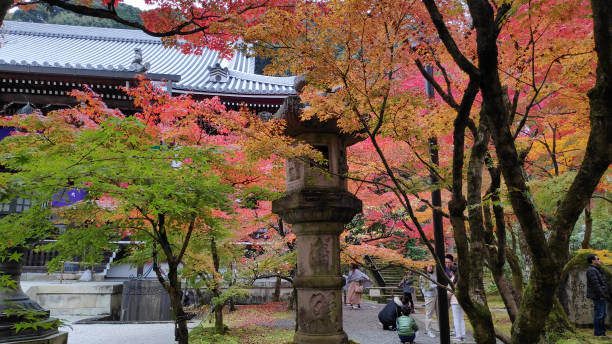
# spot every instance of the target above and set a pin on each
(517, 273)
(588, 226)
(216, 288)
(525, 254)
(292, 300)
(497, 248)
(297, 314)
(475, 305)
(277, 287)
(508, 294)
(5, 5)
(538, 300)
(548, 254)
(182, 333)
(172, 284)
(557, 320)
(219, 327)
(596, 161)
(232, 304)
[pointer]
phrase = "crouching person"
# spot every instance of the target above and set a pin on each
(406, 327)
(389, 314)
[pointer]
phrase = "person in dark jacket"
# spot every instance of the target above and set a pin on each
(597, 290)
(389, 314)
(406, 285)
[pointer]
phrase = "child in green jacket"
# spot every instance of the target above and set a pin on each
(406, 327)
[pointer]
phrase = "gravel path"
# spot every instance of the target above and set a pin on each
(128, 334)
(158, 333)
(361, 325)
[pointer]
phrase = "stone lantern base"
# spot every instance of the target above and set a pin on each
(306, 338)
(16, 299)
(56, 338)
(318, 217)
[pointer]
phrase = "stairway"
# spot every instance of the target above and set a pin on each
(391, 277)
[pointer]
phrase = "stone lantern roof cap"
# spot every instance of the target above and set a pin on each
(291, 111)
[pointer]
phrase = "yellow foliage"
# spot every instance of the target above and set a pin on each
(605, 256)
(351, 253)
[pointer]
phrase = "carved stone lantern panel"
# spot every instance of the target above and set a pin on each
(303, 174)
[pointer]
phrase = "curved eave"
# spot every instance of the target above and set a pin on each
(227, 94)
(102, 73)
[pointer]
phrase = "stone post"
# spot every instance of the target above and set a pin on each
(572, 295)
(318, 206)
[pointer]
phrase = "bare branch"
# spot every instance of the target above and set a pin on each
(448, 40)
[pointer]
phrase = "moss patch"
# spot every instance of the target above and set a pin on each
(581, 336)
(579, 261)
(247, 325)
(243, 335)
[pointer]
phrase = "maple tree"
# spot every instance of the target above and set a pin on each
(523, 99)
(156, 177)
(307, 41)
(360, 60)
(549, 254)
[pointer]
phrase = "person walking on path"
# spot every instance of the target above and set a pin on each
(598, 291)
(389, 314)
(430, 294)
(406, 326)
(407, 288)
(458, 313)
(355, 280)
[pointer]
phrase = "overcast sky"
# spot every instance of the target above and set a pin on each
(138, 3)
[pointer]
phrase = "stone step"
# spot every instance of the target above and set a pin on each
(392, 277)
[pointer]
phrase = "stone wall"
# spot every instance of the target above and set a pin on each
(572, 294)
(78, 298)
(145, 300)
(97, 298)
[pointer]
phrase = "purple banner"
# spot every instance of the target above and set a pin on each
(5, 131)
(61, 199)
(68, 197)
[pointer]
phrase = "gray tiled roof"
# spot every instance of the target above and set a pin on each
(112, 50)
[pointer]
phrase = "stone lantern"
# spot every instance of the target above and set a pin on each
(318, 206)
(16, 299)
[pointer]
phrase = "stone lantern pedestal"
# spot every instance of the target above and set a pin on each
(318, 206)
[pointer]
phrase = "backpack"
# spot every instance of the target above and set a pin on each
(405, 326)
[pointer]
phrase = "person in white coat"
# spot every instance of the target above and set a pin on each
(430, 294)
(458, 313)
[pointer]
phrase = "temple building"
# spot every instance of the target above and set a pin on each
(41, 63)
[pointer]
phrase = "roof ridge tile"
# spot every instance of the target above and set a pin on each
(26, 32)
(59, 47)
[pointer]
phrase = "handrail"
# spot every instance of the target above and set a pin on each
(377, 276)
